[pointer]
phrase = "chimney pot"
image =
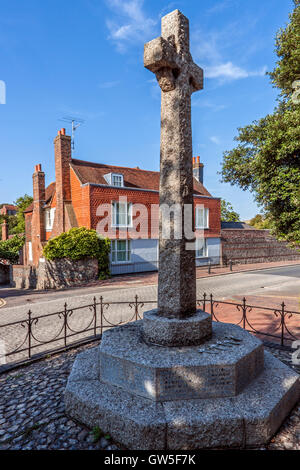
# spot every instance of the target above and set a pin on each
(59, 133)
(63, 131)
(194, 160)
(198, 159)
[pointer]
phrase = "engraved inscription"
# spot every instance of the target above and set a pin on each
(221, 345)
(201, 382)
(131, 377)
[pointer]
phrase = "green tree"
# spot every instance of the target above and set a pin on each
(261, 222)
(227, 212)
(10, 249)
(266, 159)
(22, 203)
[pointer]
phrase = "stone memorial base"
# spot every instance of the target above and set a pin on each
(225, 392)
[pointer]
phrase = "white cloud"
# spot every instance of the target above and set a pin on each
(219, 7)
(215, 140)
(109, 84)
(211, 47)
(129, 23)
(202, 103)
(229, 71)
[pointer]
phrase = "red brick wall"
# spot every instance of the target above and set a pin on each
(214, 206)
(38, 219)
(80, 201)
(102, 195)
(62, 151)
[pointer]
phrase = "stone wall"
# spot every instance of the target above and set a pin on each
(255, 246)
(22, 277)
(4, 274)
(62, 273)
(56, 274)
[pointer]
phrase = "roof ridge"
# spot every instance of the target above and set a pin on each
(114, 166)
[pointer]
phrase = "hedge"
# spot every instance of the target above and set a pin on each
(10, 249)
(80, 243)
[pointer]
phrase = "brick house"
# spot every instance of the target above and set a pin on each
(112, 199)
(8, 209)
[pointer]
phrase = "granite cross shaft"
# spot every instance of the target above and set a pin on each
(178, 76)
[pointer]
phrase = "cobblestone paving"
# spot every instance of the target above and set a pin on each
(32, 414)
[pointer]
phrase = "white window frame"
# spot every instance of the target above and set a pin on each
(205, 211)
(127, 213)
(49, 219)
(201, 241)
(117, 178)
(115, 251)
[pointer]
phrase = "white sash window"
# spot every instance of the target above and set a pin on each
(202, 217)
(121, 214)
(201, 248)
(120, 251)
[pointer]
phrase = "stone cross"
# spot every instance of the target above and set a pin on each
(178, 76)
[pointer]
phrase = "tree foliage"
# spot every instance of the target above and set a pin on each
(261, 222)
(266, 159)
(22, 203)
(10, 249)
(80, 243)
(16, 223)
(227, 212)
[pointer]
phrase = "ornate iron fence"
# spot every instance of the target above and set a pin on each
(74, 326)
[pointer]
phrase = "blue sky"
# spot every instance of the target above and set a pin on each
(84, 58)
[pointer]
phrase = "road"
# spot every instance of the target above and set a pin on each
(282, 283)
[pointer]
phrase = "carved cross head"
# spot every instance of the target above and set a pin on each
(169, 56)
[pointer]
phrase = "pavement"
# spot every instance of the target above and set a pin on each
(264, 287)
(10, 297)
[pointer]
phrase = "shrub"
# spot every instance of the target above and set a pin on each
(80, 243)
(10, 249)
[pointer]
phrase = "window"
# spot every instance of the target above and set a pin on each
(120, 251)
(117, 180)
(201, 248)
(121, 214)
(114, 179)
(49, 218)
(202, 217)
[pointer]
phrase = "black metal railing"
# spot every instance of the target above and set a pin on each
(33, 336)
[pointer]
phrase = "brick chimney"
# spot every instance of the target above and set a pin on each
(62, 152)
(198, 169)
(38, 218)
(4, 231)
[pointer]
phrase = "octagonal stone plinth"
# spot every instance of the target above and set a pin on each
(162, 331)
(221, 367)
(247, 420)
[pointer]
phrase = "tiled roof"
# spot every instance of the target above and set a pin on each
(236, 225)
(49, 193)
(88, 172)
(10, 207)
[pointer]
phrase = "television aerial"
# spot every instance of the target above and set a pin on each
(75, 123)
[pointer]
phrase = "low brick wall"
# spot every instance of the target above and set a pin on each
(4, 274)
(255, 246)
(56, 274)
